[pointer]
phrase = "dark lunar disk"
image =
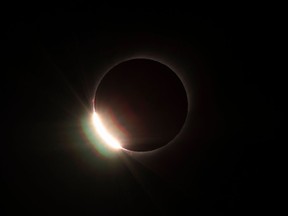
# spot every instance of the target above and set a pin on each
(142, 103)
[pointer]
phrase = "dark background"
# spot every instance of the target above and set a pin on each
(52, 58)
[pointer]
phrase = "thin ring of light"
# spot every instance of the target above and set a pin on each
(162, 61)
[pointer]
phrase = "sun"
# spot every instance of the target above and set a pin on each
(103, 133)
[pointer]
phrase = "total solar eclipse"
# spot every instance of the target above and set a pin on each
(140, 105)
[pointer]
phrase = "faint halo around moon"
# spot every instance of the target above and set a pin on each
(142, 103)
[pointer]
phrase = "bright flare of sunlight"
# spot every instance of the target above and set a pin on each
(103, 133)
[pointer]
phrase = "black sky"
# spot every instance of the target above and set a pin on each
(52, 59)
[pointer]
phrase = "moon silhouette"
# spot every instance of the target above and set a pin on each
(142, 103)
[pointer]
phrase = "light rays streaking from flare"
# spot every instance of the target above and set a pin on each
(103, 133)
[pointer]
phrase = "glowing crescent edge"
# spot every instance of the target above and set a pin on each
(103, 133)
